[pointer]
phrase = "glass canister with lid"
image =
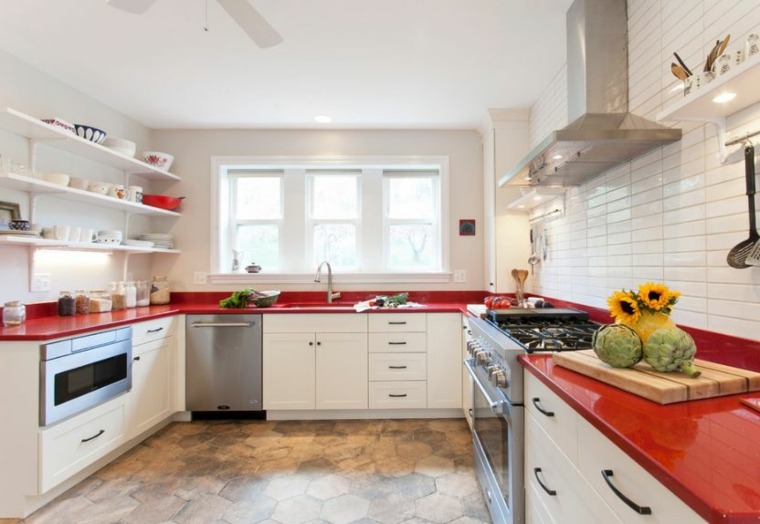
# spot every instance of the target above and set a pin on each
(14, 313)
(143, 292)
(100, 301)
(66, 304)
(159, 291)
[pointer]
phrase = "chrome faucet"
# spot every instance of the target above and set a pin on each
(330, 294)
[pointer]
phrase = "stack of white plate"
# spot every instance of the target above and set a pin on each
(160, 240)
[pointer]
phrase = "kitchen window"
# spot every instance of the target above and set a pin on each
(374, 220)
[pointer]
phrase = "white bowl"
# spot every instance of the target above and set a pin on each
(158, 159)
(57, 178)
(79, 183)
(121, 146)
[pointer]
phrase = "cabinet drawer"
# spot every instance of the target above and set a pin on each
(392, 395)
(572, 500)
(559, 421)
(155, 329)
(397, 342)
(397, 366)
(597, 454)
(396, 322)
(315, 323)
(70, 446)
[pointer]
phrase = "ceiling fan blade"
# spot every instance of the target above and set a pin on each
(137, 7)
(251, 22)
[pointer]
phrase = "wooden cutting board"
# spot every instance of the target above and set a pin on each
(665, 388)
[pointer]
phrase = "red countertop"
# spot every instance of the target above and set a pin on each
(43, 323)
(707, 452)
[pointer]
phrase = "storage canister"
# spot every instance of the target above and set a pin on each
(100, 301)
(143, 293)
(130, 294)
(82, 302)
(159, 291)
(66, 305)
(14, 313)
(118, 300)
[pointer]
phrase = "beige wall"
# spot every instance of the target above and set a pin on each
(194, 148)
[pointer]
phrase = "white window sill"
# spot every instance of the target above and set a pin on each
(342, 278)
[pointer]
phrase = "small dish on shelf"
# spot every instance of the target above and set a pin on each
(93, 134)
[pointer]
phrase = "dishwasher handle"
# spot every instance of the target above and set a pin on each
(221, 324)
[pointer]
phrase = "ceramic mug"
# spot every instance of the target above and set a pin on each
(86, 234)
(74, 233)
(135, 194)
(61, 232)
(118, 191)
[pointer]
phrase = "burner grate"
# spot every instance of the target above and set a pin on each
(549, 334)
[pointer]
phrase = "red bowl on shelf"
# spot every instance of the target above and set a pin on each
(161, 201)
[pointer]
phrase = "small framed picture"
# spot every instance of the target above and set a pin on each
(8, 211)
(467, 227)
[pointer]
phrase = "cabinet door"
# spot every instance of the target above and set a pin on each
(150, 398)
(467, 384)
(341, 372)
(444, 365)
(289, 368)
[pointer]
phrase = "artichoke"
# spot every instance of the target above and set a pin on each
(671, 349)
(617, 345)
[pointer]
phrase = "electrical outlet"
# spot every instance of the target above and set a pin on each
(200, 277)
(460, 275)
(40, 283)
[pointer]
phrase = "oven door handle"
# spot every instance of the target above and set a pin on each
(495, 405)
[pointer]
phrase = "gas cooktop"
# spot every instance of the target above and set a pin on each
(545, 329)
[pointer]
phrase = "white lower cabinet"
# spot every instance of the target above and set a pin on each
(70, 446)
(566, 460)
(444, 365)
(154, 374)
(398, 394)
(304, 369)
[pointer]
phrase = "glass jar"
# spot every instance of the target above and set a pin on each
(130, 294)
(143, 293)
(14, 313)
(159, 291)
(100, 301)
(81, 302)
(118, 300)
(66, 304)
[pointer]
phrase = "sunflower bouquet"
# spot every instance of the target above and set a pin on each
(627, 307)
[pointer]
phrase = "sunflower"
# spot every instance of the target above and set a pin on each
(657, 297)
(623, 307)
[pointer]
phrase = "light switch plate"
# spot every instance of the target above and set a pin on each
(460, 275)
(40, 283)
(200, 277)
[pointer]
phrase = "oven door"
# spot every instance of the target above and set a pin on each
(498, 448)
(79, 381)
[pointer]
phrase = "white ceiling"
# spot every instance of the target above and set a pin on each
(432, 64)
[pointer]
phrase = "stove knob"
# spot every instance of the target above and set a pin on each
(498, 378)
(472, 346)
(482, 357)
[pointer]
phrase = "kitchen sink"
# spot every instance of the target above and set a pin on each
(317, 305)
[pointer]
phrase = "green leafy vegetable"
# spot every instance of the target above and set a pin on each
(671, 349)
(617, 345)
(240, 299)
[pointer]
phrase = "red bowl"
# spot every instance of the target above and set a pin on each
(161, 201)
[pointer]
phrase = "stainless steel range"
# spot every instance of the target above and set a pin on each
(498, 411)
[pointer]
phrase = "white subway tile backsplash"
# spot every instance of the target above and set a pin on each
(672, 214)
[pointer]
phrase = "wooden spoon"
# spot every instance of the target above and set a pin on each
(681, 62)
(678, 71)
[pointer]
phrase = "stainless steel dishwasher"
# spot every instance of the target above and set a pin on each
(223, 365)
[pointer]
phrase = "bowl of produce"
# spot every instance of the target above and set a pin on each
(158, 159)
(250, 297)
(93, 134)
(161, 201)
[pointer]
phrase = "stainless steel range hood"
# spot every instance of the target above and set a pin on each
(602, 133)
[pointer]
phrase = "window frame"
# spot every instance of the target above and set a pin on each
(219, 210)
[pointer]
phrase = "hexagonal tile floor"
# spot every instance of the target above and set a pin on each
(368, 471)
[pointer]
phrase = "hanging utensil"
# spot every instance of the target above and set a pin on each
(737, 257)
(533, 259)
(678, 71)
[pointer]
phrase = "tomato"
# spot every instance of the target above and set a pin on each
(489, 302)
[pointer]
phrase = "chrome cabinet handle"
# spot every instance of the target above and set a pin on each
(96, 435)
(535, 401)
(641, 510)
(551, 492)
(221, 324)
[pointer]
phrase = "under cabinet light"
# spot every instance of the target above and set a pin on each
(724, 98)
(323, 119)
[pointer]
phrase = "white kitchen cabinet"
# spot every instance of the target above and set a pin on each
(444, 365)
(306, 368)
(70, 446)
(467, 383)
(571, 456)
